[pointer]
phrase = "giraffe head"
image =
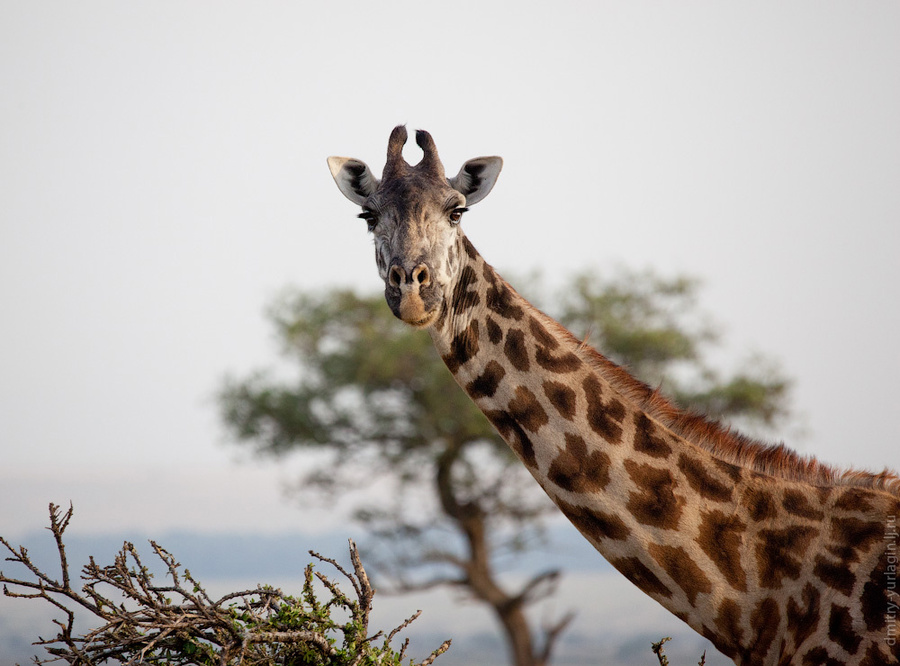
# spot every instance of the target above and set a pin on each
(414, 213)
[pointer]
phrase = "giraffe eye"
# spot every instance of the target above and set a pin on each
(456, 215)
(370, 217)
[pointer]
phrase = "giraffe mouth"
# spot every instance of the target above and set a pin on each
(413, 310)
(422, 322)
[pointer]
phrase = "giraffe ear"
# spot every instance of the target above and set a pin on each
(476, 178)
(353, 178)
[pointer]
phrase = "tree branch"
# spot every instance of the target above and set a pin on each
(177, 623)
(531, 592)
(551, 634)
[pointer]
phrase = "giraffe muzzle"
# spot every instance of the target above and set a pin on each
(412, 295)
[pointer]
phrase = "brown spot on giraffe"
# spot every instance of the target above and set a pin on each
(562, 398)
(561, 363)
(834, 574)
(514, 435)
(642, 576)
(526, 410)
(464, 297)
(471, 252)
(604, 419)
(780, 553)
(708, 632)
(849, 537)
(854, 499)
(840, 629)
(803, 614)
(577, 470)
(701, 480)
(487, 272)
(818, 656)
(595, 524)
(495, 333)
(796, 504)
(720, 536)
(728, 621)
(463, 347)
(655, 502)
(485, 385)
(541, 336)
(648, 439)
(765, 621)
(876, 597)
(682, 568)
(733, 471)
(515, 349)
(500, 300)
(544, 353)
(760, 504)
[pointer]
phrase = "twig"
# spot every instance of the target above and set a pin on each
(437, 653)
(658, 651)
(58, 526)
(661, 655)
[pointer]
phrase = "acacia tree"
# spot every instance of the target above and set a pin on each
(376, 397)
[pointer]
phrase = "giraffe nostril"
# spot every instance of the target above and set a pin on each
(422, 275)
(395, 276)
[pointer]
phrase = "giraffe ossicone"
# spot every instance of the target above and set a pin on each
(776, 558)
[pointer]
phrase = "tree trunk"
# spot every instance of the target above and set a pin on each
(479, 576)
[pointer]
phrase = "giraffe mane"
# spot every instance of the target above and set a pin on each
(721, 441)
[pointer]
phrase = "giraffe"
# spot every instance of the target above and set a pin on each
(774, 557)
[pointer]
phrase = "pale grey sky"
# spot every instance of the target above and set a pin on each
(162, 176)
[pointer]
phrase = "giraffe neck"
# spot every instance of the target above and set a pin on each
(730, 550)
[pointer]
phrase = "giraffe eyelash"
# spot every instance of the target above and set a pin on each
(370, 217)
(456, 214)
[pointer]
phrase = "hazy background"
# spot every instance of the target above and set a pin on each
(162, 177)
